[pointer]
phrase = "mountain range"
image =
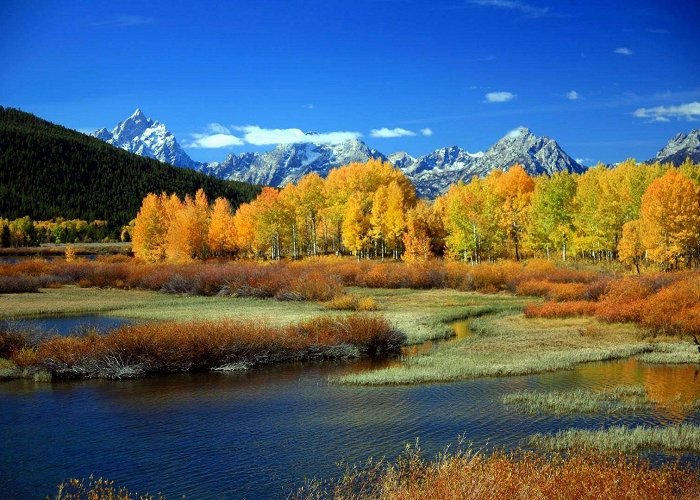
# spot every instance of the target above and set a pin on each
(432, 174)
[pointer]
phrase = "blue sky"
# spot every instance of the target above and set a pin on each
(607, 82)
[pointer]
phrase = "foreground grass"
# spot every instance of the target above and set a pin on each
(472, 475)
(617, 400)
(510, 344)
(623, 439)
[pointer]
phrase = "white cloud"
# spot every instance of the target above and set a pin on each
(689, 111)
(517, 132)
(217, 128)
(623, 51)
(583, 161)
(258, 136)
(388, 133)
(572, 95)
(499, 96)
(522, 7)
(214, 141)
(427, 132)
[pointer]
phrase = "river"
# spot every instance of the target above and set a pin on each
(258, 434)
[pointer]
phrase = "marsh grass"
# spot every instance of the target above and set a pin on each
(8, 370)
(672, 353)
(616, 400)
(623, 439)
(508, 343)
(469, 474)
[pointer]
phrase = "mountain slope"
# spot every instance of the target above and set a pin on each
(145, 137)
(679, 148)
(290, 162)
(49, 171)
(433, 173)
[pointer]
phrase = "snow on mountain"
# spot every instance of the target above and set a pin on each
(143, 136)
(289, 162)
(679, 148)
(432, 174)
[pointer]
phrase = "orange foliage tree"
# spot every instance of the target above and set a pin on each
(670, 219)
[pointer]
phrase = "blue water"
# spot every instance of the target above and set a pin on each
(65, 325)
(259, 434)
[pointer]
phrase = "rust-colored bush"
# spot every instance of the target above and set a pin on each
(561, 309)
(178, 347)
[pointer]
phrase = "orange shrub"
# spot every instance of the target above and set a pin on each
(561, 309)
(139, 349)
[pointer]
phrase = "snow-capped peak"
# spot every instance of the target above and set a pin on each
(679, 148)
(141, 135)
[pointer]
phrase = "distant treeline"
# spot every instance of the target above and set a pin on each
(24, 232)
(48, 171)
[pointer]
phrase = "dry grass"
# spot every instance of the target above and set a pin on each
(97, 489)
(473, 475)
(349, 302)
(141, 349)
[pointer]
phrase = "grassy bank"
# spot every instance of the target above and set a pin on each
(150, 348)
(623, 439)
(421, 314)
(511, 344)
(617, 400)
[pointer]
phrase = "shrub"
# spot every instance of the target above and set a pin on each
(561, 309)
(366, 304)
(139, 349)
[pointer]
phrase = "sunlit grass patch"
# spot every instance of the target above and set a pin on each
(616, 400)
(508, 344)
(623, 439)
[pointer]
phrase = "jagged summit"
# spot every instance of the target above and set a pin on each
(679, 148)
(433, 173)
(289, 162)
(143, 136)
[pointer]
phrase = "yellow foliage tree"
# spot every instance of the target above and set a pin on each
(222, 233)
(631, 249)
(515, 189)
(150, 230)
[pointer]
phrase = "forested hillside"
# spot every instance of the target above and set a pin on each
(49, 171)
